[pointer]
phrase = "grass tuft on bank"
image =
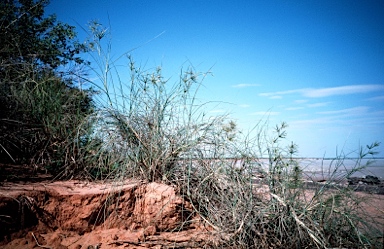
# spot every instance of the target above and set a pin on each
(156, 130)
(143, 125)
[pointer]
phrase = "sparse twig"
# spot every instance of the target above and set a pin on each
(37, 242)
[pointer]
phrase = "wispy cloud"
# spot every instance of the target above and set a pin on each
(294, 108)
(341, 90)
(309, 122)
(301, 101)
(265, 113)
(349, 111)
(357, 117)
(245, 85)
(244, 106)
(278, 94)
(328, 91)
(377, 98)
(318, 104)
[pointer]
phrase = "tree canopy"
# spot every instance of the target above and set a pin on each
(40, 109)
(29, 36)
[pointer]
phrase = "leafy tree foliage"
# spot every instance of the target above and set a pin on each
(40, 109)
(28, 36)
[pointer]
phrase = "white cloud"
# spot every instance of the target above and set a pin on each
(341, 90)
(301, 101)
(309, 122)
(328, 91)
(245, 85)
(271, 94)
(244, 105)
(318, 104)
(276, 97)
(377, 98)
(265, 113)
(349, 111)
(350, 117)
(294, 108)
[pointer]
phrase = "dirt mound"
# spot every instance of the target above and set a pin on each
(74, 214)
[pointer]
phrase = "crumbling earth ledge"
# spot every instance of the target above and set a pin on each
(76, 214)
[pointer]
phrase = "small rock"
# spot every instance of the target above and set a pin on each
(150, 231)
(371, 180)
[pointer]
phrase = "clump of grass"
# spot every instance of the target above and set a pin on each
(146, 123)
(287, 214)
(41, 118)
(151, 129)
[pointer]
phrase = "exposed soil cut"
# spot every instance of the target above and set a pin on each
(77, 214)
(37, 212)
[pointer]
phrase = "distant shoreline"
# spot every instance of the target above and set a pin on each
(366, 188)
(293, 158)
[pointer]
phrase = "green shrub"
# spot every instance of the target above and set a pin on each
(41, 108)
(41, 120)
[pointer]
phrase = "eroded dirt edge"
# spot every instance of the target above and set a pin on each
(74, 214)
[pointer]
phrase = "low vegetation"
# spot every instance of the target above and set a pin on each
(41, 105)
(141, 125)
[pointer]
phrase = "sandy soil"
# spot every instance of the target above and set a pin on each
(77, 214)
(40, 213)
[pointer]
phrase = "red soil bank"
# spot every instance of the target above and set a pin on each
(73, 214)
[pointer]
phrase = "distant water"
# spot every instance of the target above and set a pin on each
(318, 168)
(323, 168)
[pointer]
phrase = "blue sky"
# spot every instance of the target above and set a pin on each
(318, 65)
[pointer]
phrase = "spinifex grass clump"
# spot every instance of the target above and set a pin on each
(153, 126)
(278, 210)
(152, 129)
(146, 123)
